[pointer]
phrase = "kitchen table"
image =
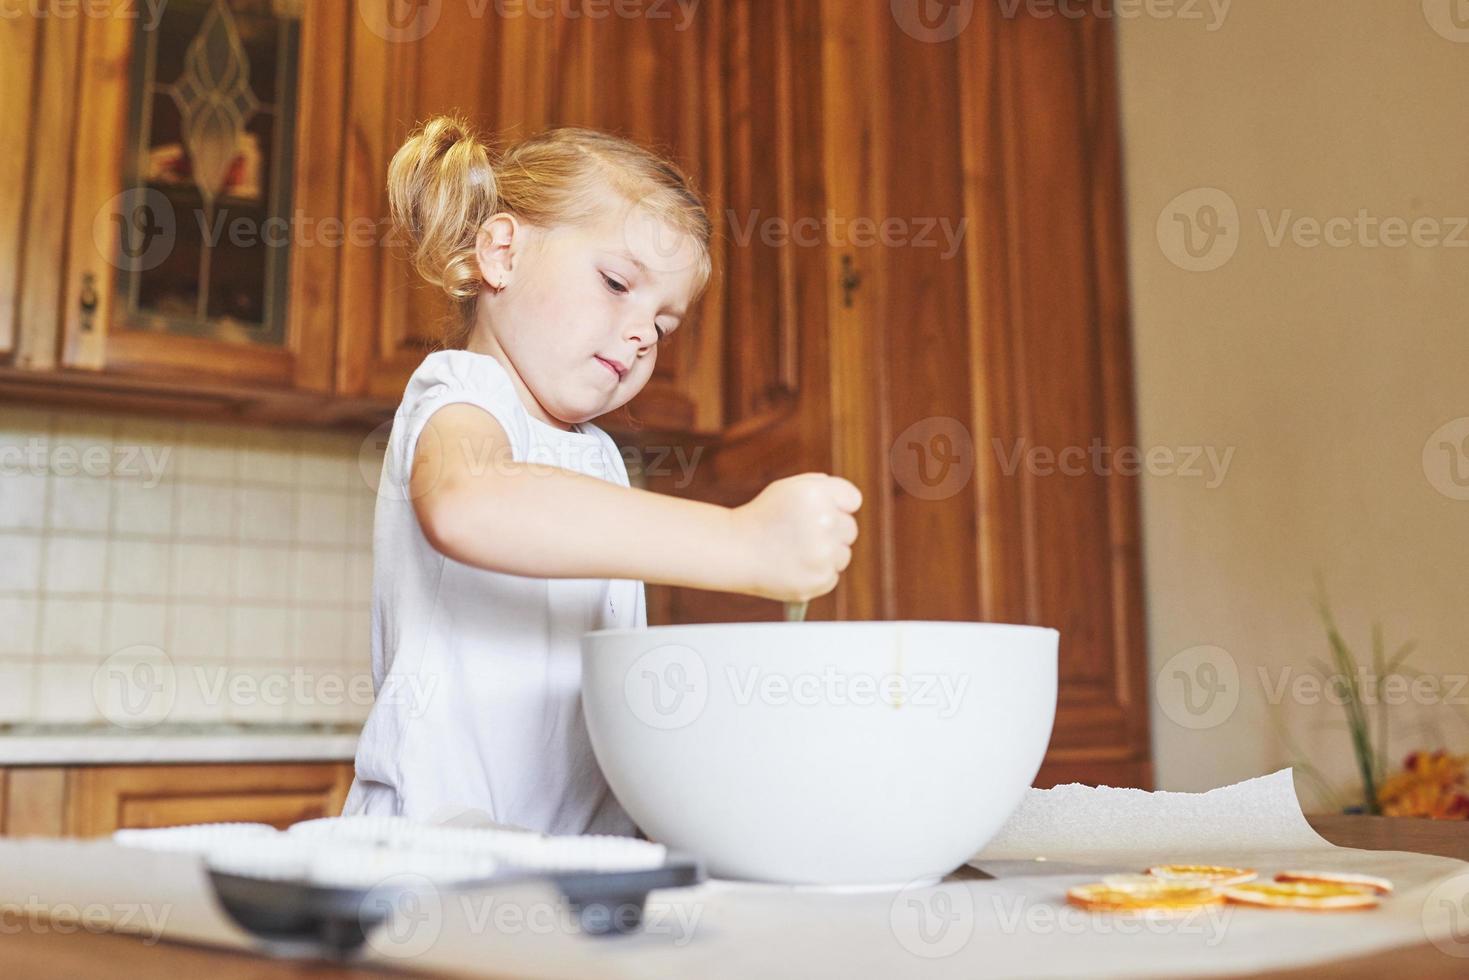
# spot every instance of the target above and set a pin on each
(46, 955)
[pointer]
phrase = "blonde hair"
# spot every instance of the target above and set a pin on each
(444, 183)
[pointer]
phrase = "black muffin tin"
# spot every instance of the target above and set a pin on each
(297, 918)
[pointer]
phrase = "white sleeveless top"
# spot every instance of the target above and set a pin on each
(477, 674)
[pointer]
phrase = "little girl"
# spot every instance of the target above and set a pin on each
(505, 526)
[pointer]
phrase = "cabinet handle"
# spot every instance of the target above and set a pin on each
(849, 281)
(87, 300)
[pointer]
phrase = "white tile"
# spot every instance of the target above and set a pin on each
(324, 694)
(205, 452)
(202, 571)
(138, 568)
(357, 639)
(200, 633)
(72, 629)
(325, 458)
(364, 507)
(268, 456)
(141, 508)
(263, 572)
(17, 677)
(75, 564)
(147, 450)
(133, 624)
(22, 499)
(323, 517)
(79, 503)
(318, 636)
(265, 514)
(205, 510)
(20, 562)
(202, 692)
(81, 445)
(359, 577)
(18, 621)
(64, 693)
(321, 576)
(260, 634)
(259, 695)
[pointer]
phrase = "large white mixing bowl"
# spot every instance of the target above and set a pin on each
(834, 753)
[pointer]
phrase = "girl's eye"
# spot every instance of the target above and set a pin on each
(613, 284)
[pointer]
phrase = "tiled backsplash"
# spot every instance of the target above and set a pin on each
(226, 569)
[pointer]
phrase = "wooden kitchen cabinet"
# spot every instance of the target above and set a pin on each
(714, 91)
(99, 304)
(931, 368)
(90, 801)
(180, 258)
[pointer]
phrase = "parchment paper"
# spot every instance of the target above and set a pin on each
(1014, 925)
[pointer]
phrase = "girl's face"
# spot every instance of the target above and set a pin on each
(583, 308)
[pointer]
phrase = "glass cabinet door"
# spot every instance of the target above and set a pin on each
(204, 228)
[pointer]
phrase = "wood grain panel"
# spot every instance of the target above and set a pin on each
(43, 260)
(102, 799)
(33, 802)
(19, 50)
(102, 135)
(1049, 318)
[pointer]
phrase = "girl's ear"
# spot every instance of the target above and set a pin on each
(496, 247)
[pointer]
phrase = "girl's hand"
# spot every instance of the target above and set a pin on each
(798, 533)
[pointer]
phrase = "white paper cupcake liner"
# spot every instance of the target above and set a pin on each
(586, 853)
(279, 858)
(356, 829)
(362, 866)
(195, 838)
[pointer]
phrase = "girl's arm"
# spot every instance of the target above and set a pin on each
(477, 506)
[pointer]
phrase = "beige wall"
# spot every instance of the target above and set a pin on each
(1326, 369)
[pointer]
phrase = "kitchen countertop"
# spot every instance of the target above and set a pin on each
(48, 955)
(54, 745)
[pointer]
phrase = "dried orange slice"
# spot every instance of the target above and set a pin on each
(1322, 896)
(1164, 898)
(1213, 873)
(1380, 885)
(1152, 885)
